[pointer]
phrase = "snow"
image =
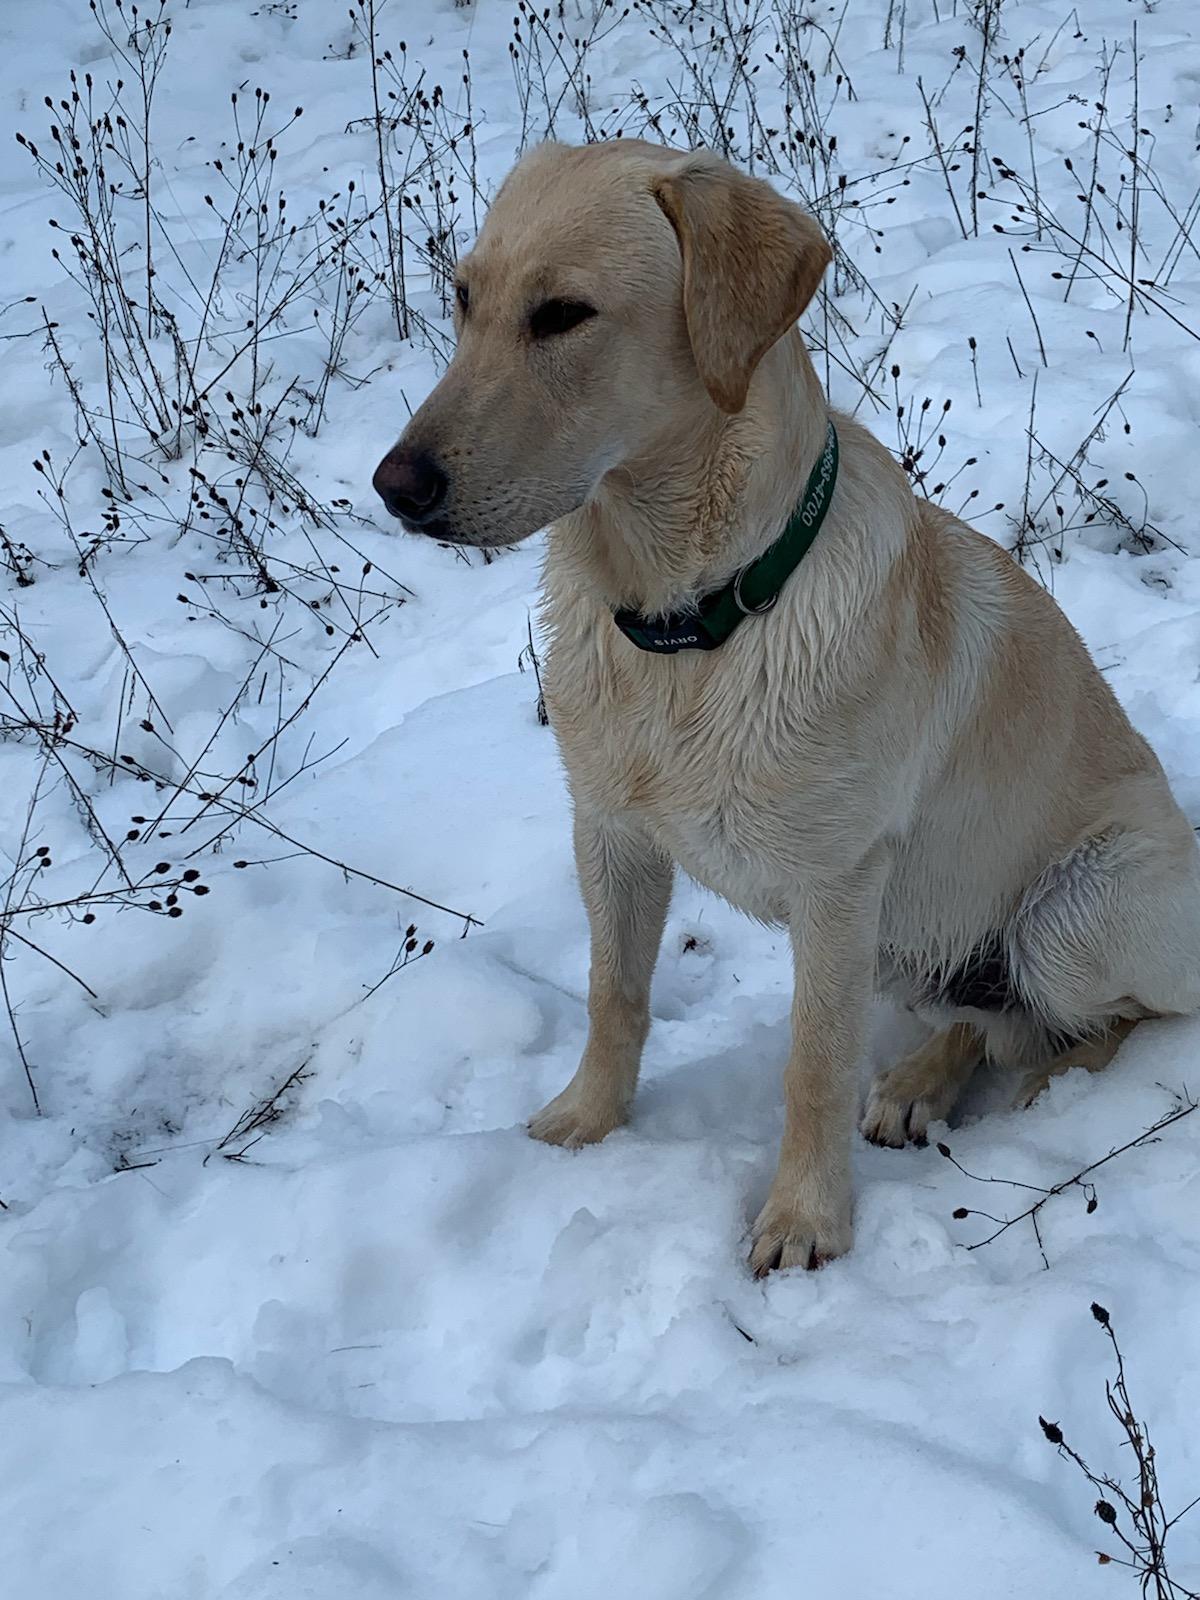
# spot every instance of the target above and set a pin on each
(398, 1348)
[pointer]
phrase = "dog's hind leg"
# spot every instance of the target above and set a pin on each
(1091, 1054)
(923, 1088)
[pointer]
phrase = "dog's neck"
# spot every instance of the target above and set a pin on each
(700, 501)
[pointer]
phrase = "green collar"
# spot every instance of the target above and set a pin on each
(755, 588)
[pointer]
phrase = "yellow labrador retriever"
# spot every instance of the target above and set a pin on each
(771, 666)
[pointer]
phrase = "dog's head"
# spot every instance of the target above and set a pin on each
(615, 290)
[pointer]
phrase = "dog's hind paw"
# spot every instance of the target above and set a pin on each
(1031, 1087)
(921, 1089)
(896, 1119)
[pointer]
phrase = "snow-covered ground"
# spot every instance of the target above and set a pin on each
(383, 1344)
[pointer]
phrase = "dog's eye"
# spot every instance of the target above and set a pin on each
(463, 298)
(558, 316)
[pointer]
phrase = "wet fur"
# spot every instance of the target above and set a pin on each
(911, 762)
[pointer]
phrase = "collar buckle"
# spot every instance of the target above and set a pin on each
(750, 611)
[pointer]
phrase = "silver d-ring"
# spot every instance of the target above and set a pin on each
(750, 611)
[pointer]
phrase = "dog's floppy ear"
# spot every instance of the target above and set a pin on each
(751, 263)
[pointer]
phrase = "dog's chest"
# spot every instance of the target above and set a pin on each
(712, 765)
(707, 807)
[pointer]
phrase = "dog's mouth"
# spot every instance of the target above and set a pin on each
(443, 531)
(431, 527)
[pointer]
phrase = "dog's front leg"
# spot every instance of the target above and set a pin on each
(626, 886)
(807, 1219)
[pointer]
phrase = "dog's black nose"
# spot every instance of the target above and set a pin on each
(411, 485)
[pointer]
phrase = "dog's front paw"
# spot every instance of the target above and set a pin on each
(574, 1118)
(791, 1233)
